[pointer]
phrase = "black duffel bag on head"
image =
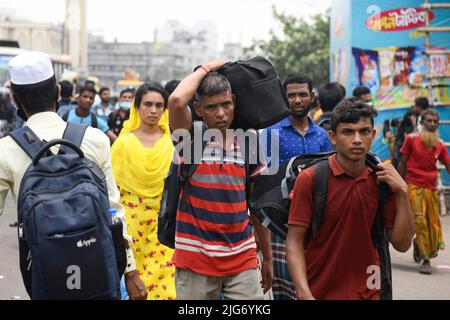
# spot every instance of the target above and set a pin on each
(260, 97)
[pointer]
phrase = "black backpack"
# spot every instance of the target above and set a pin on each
(270, 203)
(94, 118)
(174, 182)
(260, 97)
(173, 185)
(68, 246)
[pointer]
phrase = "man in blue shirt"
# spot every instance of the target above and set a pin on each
(295, 135)
(83, 113)
(105, 107)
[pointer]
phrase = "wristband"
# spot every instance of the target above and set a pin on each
(201, 67)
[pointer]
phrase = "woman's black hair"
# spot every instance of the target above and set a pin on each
(146, 88)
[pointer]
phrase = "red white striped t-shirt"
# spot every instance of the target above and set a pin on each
(213, 234)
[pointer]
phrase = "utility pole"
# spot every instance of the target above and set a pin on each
(76, 25)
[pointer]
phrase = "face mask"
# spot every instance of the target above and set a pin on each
(125, 105)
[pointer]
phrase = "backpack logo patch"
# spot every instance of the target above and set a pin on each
(86, 243)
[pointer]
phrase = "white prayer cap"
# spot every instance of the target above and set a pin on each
(30, 68)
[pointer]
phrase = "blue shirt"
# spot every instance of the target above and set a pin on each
(98, 110)
(75, 118)
(63, 107)
(292, 143)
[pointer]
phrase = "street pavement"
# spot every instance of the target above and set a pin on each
(11, 285)
(408, 283)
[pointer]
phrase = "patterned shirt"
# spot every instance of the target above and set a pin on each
(103, 114)
(292, 143)
(213, 233)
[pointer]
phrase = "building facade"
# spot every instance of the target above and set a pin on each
(45, 37)
(173, 54)
(108, 61)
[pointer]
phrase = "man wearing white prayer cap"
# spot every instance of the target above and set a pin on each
(33, 83)
(30, 68)
(35, 92)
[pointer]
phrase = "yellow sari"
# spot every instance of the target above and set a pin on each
(139, 172)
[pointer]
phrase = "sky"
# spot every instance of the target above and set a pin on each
(135, 20)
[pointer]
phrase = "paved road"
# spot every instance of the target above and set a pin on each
(408, 283)
(11, 286)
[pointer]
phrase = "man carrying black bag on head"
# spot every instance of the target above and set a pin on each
(215, 248)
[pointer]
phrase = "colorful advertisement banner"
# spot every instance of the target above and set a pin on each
(377, 43)
(396, 76)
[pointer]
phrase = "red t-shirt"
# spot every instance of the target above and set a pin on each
(421, 167)
(337, 261)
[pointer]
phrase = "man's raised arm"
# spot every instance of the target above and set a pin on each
(179, 115)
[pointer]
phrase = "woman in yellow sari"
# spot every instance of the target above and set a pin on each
(141, 158)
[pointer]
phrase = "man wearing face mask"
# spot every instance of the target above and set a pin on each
(297, 134)
(122, 112)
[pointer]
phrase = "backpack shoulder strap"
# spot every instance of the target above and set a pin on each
(66, 114)
(320, 188)
(378, 232)
(381, 242)
(75, 134)
(288, 176)
(248, 151)
(188, 169)
(323, 121)
(114, 115)
(94, 122)
(27, 140)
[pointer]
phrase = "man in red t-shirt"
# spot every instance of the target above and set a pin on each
(340, 262)
(418, 166)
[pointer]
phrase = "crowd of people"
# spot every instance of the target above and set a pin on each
(222, 251)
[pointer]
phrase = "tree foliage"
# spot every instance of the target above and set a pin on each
(303, 46)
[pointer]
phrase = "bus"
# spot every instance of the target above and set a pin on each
(60, 63)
